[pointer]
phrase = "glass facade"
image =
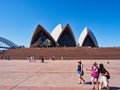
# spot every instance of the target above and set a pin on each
(88, 41)
(66, 40)
(43, 40)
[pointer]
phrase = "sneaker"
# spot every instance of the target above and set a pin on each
(84, 82)
(93, 88)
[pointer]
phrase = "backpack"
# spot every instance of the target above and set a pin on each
(108, 76)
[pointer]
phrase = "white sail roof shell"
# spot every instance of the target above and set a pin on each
(84, 34)
(56, 32)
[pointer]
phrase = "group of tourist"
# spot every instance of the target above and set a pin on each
(99, 75)
(32, 59)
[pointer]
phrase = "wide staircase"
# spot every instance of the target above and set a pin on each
(66, 53)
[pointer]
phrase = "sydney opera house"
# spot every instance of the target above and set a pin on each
(62, 37)
(61, 44)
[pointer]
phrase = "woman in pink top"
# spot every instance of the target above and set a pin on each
(94, 74)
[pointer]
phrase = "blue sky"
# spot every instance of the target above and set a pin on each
(19, 18)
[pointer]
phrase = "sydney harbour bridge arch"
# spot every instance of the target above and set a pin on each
(7, 44)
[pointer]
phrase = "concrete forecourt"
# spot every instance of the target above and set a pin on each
(52, 74)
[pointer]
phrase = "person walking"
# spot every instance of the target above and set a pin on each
(42, 59)
(80, 72)
(103, 77)
(94, 75)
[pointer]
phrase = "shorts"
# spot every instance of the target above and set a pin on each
(79, 72)
(92, 78)
(104, 80)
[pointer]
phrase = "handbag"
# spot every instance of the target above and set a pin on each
(82, 73)
(108, 75)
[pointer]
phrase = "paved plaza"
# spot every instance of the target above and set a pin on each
(52, 74)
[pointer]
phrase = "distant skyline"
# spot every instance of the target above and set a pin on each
(19, 19)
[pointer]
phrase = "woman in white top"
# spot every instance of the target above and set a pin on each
(102, 77)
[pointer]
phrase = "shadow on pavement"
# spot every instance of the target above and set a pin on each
(111, 88)
(114, 88)
(88, 83)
